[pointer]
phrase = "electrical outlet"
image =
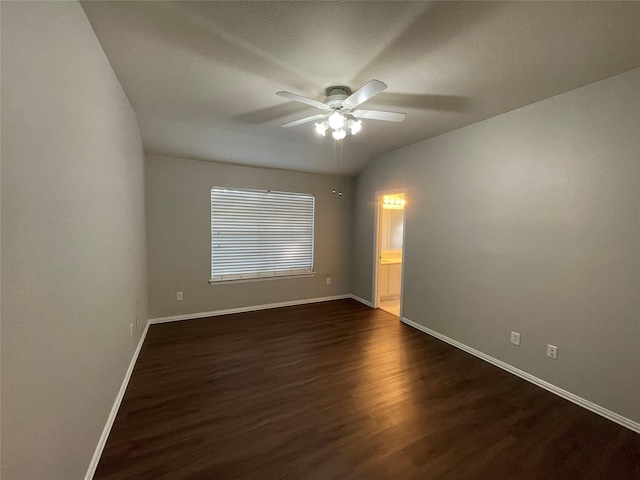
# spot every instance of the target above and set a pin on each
(179, 296)
(552, 351)
(328, 280)
(515, 338)
(131, 330)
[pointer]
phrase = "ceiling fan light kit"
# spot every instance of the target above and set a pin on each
(341, 104)
(337, 123)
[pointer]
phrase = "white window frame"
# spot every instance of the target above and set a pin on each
(237, 209)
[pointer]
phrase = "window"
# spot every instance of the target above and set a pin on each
(257, 234)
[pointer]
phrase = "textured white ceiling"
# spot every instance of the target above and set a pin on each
(202, 76)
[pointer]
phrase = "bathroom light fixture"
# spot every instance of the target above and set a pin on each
(391, 202)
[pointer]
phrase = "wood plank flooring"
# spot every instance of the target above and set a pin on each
(337, 390)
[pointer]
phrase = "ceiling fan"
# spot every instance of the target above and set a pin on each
(339, 106)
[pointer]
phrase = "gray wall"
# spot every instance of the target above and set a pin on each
(73, 240)
(528, 221)
(179, 236)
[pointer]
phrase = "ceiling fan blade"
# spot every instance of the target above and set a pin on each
(304, 120)
(380, 115)
(301, 99)
(364, 93)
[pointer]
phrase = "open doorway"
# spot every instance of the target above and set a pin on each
(390, 221)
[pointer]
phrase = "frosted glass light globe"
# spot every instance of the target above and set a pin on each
(339, 134)
(355, 126)
(321, 128)
(336, 120)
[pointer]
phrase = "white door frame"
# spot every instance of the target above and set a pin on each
(377, 237)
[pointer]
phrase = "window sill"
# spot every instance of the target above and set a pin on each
(261, 279)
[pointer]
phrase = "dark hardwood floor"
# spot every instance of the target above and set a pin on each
(336, 390)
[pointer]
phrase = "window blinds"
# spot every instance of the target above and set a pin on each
(260, 234)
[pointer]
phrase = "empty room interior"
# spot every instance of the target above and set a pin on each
(320, 240)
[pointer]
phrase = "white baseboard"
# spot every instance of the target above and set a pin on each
(361, 300)
(253, 308)
(608, 414)
(114, 410)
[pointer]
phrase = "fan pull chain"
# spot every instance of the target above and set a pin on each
(340, 170)
(335, 146)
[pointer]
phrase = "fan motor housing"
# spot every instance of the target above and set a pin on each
(336, 95)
